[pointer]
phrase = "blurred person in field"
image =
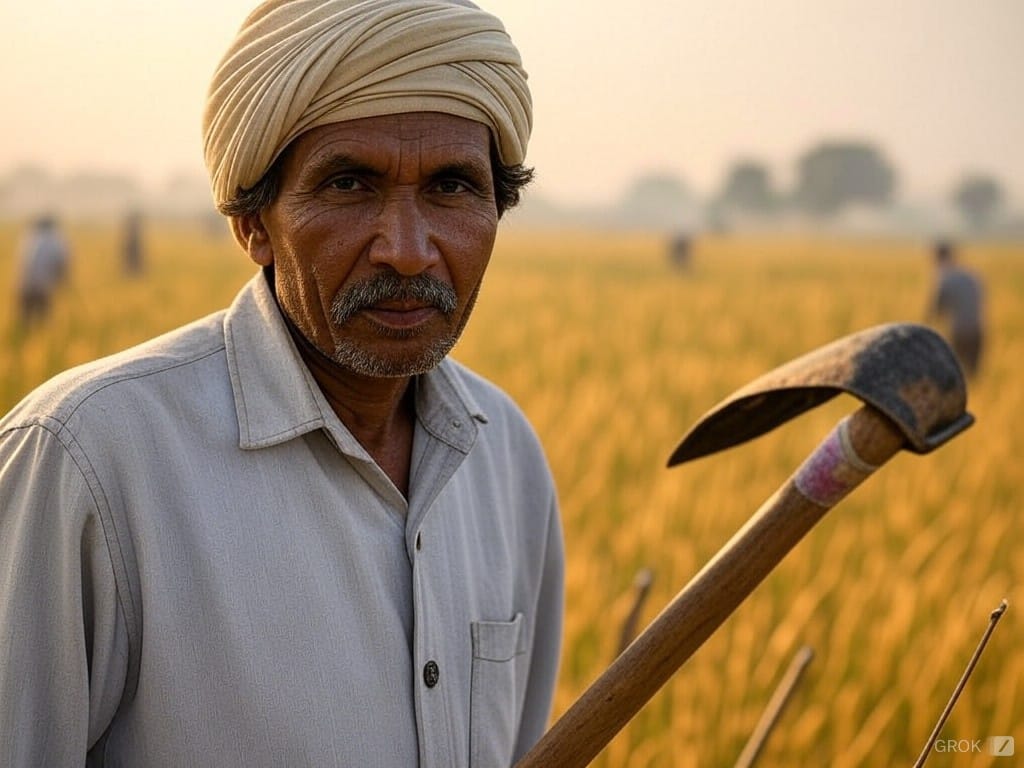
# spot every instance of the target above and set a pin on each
(42, 268)
(296, 532)
(680, 252)
(957, 301)
(131, 245)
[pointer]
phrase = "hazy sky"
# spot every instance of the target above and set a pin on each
(619, 88)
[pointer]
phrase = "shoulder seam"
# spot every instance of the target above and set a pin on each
(141, 375)
(125, 595)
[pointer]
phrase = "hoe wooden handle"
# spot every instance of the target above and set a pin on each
(857, 446)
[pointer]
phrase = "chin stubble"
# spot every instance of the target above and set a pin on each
(388, 286)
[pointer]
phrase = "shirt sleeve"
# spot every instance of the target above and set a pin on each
(63, 638)
(547, 640)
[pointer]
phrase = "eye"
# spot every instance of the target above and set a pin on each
(346, 184)
(451, 186)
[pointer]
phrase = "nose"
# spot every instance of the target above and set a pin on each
(403, 240)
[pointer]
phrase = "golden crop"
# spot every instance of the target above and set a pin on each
(613, 355)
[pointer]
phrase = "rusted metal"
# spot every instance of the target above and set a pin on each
(906, 371)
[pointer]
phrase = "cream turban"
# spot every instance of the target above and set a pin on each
(298, 64)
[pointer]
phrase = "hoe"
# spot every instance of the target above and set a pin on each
(914, 397)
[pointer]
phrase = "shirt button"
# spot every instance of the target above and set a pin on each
(431, 673)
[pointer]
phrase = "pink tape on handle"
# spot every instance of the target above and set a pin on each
(833, 470)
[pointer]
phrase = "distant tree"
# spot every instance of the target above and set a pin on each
(100, 193)
(27, 190)
(748, 187)
(978, 198)
(657, 201)
(657, 188)
(836, 174)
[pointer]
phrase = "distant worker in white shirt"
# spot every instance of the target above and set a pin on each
(958, 301)
(296, 532)
(43, 266)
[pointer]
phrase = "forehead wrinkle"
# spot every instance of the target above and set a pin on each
(340, 149)
(410, 150)
(420, 157)
(395, 144)
(449, 152)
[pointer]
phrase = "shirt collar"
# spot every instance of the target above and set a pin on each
(277, 399)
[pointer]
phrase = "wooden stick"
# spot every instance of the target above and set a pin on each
(642, 587)
(993, 619)
(773, 711)
(844, 459)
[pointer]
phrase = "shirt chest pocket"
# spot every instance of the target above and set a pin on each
(498, 677)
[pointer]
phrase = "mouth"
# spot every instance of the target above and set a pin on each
(401, 305)
(402, 315)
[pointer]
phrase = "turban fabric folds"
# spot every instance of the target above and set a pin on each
(299, 64)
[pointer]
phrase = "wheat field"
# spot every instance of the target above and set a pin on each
(613, 355)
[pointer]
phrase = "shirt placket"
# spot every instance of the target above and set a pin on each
(435, 683)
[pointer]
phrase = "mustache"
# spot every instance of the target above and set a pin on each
(389, 286)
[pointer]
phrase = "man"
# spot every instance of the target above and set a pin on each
(43, 267)
(131, 245)
(295, 533)
(957, 299)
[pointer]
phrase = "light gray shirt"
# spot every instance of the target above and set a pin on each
(200, 566)
(44, 258)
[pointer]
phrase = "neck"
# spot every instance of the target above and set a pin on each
(379, 412)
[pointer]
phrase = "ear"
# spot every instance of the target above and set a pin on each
(250, 233)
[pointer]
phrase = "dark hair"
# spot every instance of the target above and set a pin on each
(249, 202)
(508, 180)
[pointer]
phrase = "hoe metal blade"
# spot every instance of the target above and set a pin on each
(906, 371)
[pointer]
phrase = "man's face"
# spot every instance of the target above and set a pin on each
(379, 237)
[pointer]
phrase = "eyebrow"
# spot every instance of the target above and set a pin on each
(329, 165)
(320, 168)
(469, 170)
